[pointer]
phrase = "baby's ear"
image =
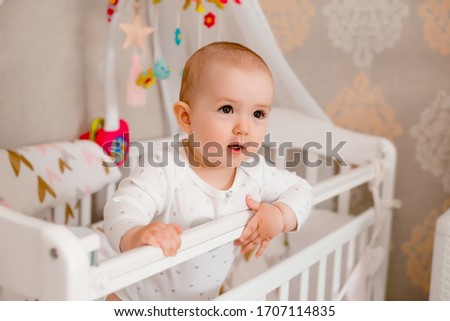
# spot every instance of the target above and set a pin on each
(182, 113)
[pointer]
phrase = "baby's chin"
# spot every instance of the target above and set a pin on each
(225, 163)
(241, 159)
(232, 157)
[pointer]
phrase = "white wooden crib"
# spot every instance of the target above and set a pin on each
(335, 255)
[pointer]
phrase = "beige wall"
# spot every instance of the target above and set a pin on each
(394, 83)
(51, 73)
(382, 67)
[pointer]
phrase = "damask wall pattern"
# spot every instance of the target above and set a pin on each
(375, 66)
(433, 139)
(289, 20)
(363, 108)
(363, 28)
(436, 30)
(389, 76)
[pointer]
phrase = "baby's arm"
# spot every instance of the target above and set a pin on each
(128, 217)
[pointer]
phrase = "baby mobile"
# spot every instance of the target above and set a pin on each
(135, 33)
(112, 133)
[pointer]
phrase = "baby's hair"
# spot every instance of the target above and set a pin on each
(225, 52)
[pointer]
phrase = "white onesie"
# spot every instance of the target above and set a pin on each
(175, 193)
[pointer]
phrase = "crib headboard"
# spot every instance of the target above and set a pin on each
(321, 138)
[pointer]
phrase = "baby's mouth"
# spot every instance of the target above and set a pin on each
(235, 148)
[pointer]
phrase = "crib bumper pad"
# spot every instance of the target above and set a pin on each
(38, 177)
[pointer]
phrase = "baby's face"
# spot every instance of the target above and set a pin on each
(229, 114)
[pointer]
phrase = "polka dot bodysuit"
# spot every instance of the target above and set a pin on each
(173, 193)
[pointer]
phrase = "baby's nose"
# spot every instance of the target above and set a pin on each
(241, 127)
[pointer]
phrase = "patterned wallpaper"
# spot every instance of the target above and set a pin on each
(376, 66)
(382, 67)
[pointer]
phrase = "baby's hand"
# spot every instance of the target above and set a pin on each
(164, 236)
(267, 222)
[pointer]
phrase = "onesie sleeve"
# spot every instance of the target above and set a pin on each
(137, 200)
(281, 185)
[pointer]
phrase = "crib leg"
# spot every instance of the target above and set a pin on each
(387, 196)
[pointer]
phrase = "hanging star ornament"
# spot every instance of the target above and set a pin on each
(135, 33)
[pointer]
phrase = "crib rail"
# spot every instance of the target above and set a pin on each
(132, 266)
(336, 185)
(140, 263)
(280, 276)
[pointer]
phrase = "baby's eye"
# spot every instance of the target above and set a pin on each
(227, 109)
(259, 114)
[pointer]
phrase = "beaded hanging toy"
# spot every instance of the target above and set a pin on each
(135, 34)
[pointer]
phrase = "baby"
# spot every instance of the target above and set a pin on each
(225, 103)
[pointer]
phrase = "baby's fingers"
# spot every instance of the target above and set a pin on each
(253, 205)
(250, 245)
(262, 247)
(170, 244)
(177, 228)
(166, 237)
(249, 229)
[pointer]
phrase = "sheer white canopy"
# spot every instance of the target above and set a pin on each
(244, 23)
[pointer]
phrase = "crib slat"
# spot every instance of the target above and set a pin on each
(283, 292)
(110, 189)
(321, 279)
(280, 161)
(59, 214)
(302, 261)
(370, 284)
(344, 198)
(337, 268)
(363, 241)
(133, 158)
(85, 210)
(350, 256)
(336, 185)
(304, 286)
(312, 174)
